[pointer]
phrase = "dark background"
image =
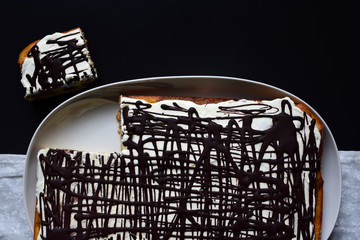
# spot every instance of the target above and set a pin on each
(308, 48)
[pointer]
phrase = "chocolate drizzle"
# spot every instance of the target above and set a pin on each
(58, 66)
(188, 177)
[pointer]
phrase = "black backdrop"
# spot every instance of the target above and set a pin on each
(305, 47)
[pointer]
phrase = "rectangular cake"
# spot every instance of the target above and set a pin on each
(56, 64)
(189, 168)
(224, 169)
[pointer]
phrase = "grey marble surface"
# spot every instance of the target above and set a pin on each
(14, 224)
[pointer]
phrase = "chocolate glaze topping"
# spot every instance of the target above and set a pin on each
(51, 66)
(188, 177)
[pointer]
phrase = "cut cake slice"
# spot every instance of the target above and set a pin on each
(56, 64)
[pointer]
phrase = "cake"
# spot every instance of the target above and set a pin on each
(56, 64)
(225, 169)
(189, 168)
(74, 194)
